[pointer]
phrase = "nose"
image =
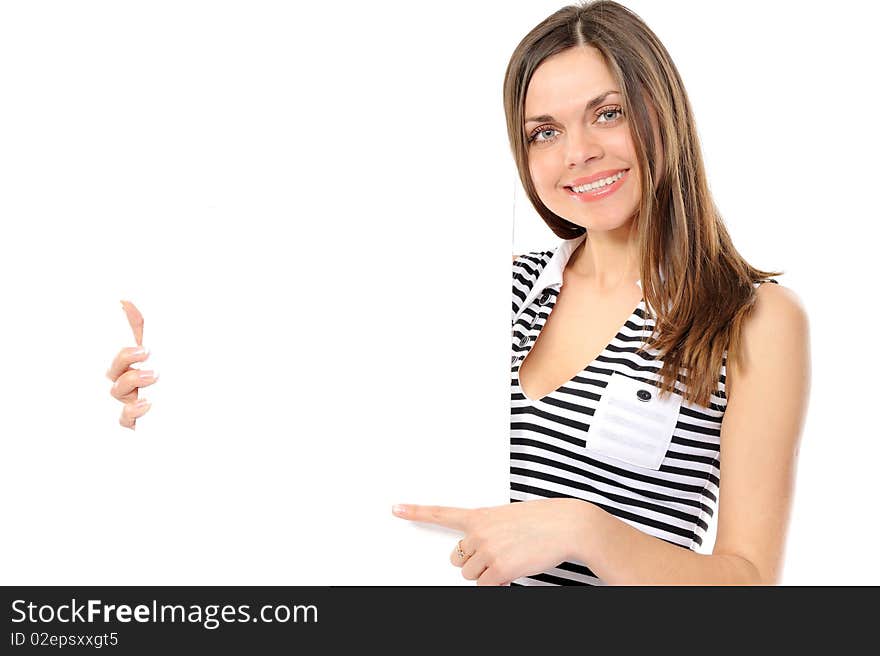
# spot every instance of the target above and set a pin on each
(582, 146)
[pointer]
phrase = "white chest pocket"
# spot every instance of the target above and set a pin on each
(632, 423)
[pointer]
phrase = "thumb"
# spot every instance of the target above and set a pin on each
(135, 320)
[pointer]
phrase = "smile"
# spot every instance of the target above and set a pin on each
(599, 189)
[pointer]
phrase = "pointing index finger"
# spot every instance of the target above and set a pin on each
(455, 518)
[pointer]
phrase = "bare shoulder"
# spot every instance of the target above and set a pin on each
(776, 331)
(777, 309)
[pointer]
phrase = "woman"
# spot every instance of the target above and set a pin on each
(616, 465)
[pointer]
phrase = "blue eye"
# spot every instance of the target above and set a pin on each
(615, 110)
(535, 134)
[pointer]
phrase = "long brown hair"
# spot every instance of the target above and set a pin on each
(707, 286)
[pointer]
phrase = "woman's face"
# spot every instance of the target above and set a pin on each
(571, 137)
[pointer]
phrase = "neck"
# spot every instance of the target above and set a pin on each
(606, 261)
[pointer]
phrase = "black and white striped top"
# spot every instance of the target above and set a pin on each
(605, 436)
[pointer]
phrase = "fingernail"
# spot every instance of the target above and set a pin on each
(147, 375)
(399, 510)
(141, 403)
(140, 350)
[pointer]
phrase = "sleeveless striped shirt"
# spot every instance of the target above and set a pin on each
(605, 436)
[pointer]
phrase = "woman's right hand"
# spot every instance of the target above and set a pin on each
(126, 380)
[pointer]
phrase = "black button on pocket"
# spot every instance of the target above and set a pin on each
(545, 298)
(524, 340)
(644, 395)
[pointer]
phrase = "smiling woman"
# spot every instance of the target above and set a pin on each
(623, 397)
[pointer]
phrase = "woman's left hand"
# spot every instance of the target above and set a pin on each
(503, 543)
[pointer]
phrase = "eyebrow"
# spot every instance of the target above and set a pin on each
(590, 105)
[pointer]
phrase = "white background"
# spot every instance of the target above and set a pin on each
(312, 207)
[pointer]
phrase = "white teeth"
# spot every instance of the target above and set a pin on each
(599, 183)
